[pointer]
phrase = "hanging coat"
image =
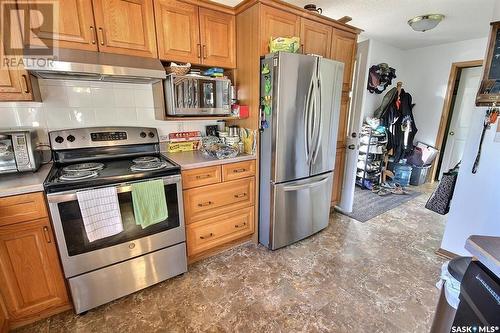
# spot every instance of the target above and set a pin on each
(400, 123)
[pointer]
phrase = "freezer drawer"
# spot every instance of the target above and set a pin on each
(302, 208)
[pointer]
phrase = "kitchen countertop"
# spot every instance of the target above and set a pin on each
(487, 250)
(25, 182)
(195, 159)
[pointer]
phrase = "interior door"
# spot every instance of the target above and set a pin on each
(316, 38)
(293, 83)
(217, 31)
(461, 117)
(73, 28)
(178, 31)
(126, 27)
(326, 115)
(300, 209)
(345, 194)
(277, 23)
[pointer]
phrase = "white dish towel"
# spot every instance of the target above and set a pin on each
(100, 212)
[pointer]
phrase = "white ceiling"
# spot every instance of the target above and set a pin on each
(386, 20)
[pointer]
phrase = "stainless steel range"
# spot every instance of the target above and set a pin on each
(102, 270)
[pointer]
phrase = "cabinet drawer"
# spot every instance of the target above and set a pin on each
(202, 176)
(24, 207)
(204, 202)
(238, 170)
(207, 234)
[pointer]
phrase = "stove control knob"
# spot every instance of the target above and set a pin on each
(59, 139)
(151, 134)
(143, 134)
(70, 138)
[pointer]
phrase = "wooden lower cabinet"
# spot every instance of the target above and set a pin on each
(238, 170)
(207, 201)
(201, 177)
(222, 214)
(21, 208)
(209, 233)
(32, 284)
(31, 279)
(338, 175)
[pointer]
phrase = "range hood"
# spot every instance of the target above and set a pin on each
(97, 66)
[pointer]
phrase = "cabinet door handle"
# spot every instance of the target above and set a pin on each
(240, 195)
(199, 50)
(203, 176)
(240, 225)
(46, 234)
(101, 39)
(204, 204)
(239, 170)
(204, 52)
(207, 236)
(92, 31)
(25, 84)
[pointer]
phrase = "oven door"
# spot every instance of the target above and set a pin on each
(78, 255)
(7, 156)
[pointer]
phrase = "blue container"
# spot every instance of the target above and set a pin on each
(402, 174)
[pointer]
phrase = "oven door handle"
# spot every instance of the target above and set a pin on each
(126, 187)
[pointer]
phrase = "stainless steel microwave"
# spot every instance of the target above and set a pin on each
(193, 95)
(17, 151)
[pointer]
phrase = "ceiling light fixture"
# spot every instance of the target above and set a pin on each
(425, 22)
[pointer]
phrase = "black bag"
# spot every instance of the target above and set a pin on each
(440, 200)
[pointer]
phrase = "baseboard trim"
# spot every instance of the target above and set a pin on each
(446, 254)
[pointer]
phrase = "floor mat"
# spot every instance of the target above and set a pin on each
(367, 205)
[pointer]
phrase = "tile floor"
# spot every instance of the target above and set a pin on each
(376, 276)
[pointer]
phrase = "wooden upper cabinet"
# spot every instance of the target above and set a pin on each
(316, 38)
(277, 23)
(125, 27)
(217, 31)
(344, 50)
(73, 25)
(178, 31)
(31, 280)
(15, 82)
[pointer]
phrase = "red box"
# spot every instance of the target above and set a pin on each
(244, 111)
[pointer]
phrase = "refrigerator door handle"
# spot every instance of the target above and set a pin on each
(318, 115)
(307, 121)
(306, 185)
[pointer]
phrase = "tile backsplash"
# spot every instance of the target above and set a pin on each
(72, 104)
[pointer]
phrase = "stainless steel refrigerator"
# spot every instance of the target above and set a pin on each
(300, 107)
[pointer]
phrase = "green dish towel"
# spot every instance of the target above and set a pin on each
(149, 202)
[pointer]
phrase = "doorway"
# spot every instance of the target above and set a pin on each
(457, 111)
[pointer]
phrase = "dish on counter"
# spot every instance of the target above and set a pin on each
(220, 151)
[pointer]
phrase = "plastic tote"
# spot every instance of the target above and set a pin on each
(419, 175)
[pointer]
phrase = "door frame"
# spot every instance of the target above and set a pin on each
(447, 113)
